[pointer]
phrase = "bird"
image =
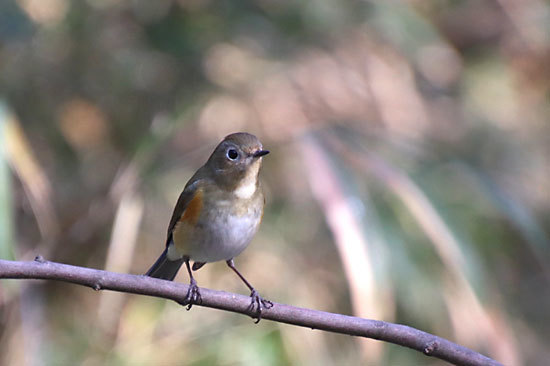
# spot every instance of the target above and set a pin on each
(216, 216)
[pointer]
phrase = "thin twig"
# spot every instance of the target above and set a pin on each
(403, 335)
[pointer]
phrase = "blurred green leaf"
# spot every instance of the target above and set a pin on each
(6, 203)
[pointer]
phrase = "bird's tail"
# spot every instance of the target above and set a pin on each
(164, 268)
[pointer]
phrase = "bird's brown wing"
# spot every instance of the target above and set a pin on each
(187, 210)
(187, 207)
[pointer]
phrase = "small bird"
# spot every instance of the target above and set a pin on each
(216, 215)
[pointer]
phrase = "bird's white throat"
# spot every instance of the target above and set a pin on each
(247, 186)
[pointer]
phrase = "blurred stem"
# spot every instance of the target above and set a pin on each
(32, 176)
(394, 333)
(353, 246)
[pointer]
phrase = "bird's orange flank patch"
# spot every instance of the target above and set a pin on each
(193, 209)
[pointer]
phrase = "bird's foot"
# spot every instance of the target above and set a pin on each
(193, 295)
(257, 304)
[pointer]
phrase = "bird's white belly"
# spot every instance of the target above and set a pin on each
(222, 237)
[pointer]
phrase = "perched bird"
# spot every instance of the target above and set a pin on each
(216, 216)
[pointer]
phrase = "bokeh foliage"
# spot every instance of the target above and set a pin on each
(408, 179)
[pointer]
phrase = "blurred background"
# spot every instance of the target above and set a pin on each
(407, 181)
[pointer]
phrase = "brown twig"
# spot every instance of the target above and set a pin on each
(403, 335)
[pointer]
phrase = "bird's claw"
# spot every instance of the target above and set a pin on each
(193, 295)
(257, 304)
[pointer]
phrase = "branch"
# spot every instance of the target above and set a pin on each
(403, 335)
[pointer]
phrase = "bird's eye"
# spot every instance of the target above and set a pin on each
(232, 154)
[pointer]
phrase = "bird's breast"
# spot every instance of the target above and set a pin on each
(223, 230)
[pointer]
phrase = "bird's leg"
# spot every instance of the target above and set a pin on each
(193, 295)
(257, 303)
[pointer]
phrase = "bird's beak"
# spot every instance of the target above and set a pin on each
(259, 153)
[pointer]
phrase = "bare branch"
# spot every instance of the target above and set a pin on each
(403, 335)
